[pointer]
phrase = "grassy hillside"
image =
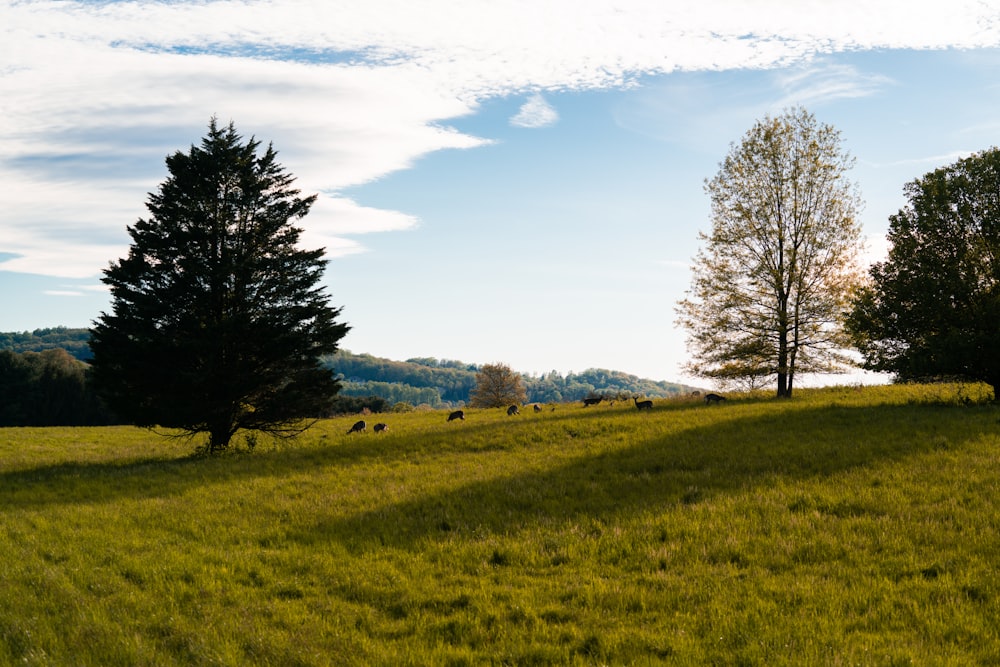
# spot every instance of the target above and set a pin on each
(846, 526)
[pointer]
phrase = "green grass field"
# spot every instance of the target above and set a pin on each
(844, 527)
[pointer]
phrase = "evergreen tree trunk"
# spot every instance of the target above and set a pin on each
(219, 437)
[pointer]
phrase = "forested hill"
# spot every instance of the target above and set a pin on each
(418, 381)
(73, 341)
(445, 382)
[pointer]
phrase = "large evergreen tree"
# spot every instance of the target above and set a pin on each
(218, 319)
(770, 287)
(932, 308)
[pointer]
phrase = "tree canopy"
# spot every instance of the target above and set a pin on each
(74, 341)
(496, 386)
(48, 388)
(770, 286)
(932, 308)
(218, 320)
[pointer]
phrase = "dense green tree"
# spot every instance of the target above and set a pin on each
(393, 392)
(48, 388)
(496, 386)
(218, 320)
(932, 308)
(350, 405)
(770, 287)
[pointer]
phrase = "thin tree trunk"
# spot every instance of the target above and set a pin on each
(784, 388)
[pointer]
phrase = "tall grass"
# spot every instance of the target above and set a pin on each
(846, 526)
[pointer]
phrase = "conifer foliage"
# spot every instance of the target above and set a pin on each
(218, 320)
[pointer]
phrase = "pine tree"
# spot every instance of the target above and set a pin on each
(218, 319)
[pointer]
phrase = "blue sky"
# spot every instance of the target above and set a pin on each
(499, 181)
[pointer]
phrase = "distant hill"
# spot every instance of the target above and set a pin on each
(440, 383)
(73, 341)
(418, 381)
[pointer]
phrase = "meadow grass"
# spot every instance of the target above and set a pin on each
(848, 526)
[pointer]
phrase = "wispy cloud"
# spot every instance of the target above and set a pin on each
(94, 95)
(56, 292)
(932, 161)
(699, 108)
(821, 82)
(534, 113)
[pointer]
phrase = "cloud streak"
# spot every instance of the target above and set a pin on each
(94, 95)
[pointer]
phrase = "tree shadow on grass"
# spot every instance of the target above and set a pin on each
(729, 452)
(681, 467)
(159, 476)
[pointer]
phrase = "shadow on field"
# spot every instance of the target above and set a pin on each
(692, 458)
(684, 466)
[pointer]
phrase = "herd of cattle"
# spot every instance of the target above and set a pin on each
(361, 425)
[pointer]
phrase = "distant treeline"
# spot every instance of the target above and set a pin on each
(446, 383)
(48, 388)
(73, 341)
(43, 381)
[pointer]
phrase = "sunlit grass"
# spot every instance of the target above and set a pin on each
(846, 526)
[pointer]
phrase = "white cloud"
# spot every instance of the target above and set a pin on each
(55, 292)
(94, 95)
(535, 113)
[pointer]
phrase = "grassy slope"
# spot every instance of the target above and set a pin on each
(843, 527)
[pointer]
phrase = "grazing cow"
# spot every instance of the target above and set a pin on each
(594, 400)
(381, 427)
(714, 398)
(457, 414)
(512, 410)
(538, 408)
(642, 405)
(358, 427)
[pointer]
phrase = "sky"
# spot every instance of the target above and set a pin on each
(514, 181)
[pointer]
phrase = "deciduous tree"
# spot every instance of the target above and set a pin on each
(218, 318)
(771, 283)
(932, 308)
